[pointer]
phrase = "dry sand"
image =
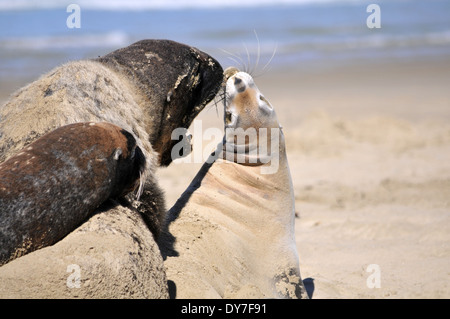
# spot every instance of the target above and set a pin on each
(369, 152)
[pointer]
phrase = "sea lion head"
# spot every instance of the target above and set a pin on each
(245, 105)
(131, 168)
(174, 83)
(127, 162)
(252, 132)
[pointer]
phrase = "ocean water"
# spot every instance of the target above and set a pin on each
(35, 37)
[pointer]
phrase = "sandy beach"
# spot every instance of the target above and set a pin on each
(365, 113)
(369, 150)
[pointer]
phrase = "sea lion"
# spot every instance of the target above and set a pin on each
(231, 233)
(55, 183)
(149, 88)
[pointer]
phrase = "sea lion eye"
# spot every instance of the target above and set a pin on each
(265, 105)
(262, 98)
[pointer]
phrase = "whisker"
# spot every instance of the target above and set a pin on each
(234, 60)
(220, 97)
(142, 179)
(271, 58)
(217, 110)
(268, 63)
(242, 63)
(247, 69)
(258, 53)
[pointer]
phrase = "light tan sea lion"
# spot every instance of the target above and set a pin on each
(231, 234)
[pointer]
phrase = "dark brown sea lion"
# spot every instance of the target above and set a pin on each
(51, 186)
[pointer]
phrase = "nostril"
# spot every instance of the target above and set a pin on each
(239, 85)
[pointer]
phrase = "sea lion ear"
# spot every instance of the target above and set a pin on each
(117, 153)
(229, 72)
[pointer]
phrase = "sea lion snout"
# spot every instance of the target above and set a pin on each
(239, 84)
(241, 81)
(245, 105)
